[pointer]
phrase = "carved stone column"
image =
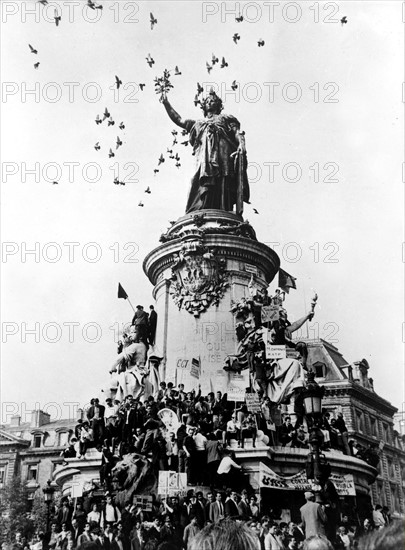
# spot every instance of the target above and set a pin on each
(205, 262)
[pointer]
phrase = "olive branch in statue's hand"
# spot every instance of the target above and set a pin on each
(163, 85)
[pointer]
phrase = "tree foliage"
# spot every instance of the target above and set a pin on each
(15, 514)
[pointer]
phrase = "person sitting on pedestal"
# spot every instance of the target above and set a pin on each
(249, 429)
(233, 430)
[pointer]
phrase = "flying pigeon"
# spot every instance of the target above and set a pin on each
(111, 122)
(196, 100)
(147, 190)
(106, 114)
(116, 181)
(153, 21)
(33, 50)
(174, 132)
(97, 146)
(155, 171)
(223, 63)
(260, 42)
(255, 211)
(174, 142)
(43, 2)
(209, 67)
(98, 120)
(111, 154)
(142, 86)
(170, 151)
(343, 20)
(200, 89)
(121, 126)
(149, 59)
(140, 203)
(185, 142)
(55, 182)
(161, 159)
(176, 71)
(214, 59)
(236, 37)
(184, 132)
(234, 86)
(118, 82)
(239, 19)
(119, 142)
(36, 65)
(178, 164)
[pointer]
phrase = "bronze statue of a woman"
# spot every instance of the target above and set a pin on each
(220, 180)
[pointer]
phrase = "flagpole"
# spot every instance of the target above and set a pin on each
(305, 306)
(131, 304)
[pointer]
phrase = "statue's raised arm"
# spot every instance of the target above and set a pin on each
(220, 179)
(174, 115)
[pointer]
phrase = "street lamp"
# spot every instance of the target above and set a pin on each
(312, 396)
(48, 491)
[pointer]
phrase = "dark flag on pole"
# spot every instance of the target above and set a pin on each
(286, 281)
(121, 292)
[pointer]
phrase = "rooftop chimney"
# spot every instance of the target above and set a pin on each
(39, 418)
(15, 421)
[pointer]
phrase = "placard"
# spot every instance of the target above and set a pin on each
(171, 483)
(238, 382)
(270, 313)
(275, 352)
(144, 501)
(251, 269)
(253, 402)
(195, 368)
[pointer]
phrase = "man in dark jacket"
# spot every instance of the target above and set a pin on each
(231, 506)
(95, 416)
(152, 325)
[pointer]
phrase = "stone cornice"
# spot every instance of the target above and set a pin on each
(345, 387)
(227, 246)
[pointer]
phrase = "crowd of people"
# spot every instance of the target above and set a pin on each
(199, 440)
(177, 523)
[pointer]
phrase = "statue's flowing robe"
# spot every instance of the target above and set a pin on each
(218, 178)
(287, 375)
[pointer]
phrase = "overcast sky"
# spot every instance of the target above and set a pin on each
(321, 100)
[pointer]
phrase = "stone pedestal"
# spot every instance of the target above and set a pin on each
(205, 263)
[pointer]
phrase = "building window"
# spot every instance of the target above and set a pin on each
(2, 476)
(320, 369)
(359, 421)
(63, 439)
(37, 441)
(32, 472)
(386, 430)
(373, 426)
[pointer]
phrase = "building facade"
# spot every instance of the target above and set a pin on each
(368, 417)
(33, 449)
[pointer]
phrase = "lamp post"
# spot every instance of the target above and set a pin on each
(48, 491)
(312, 396)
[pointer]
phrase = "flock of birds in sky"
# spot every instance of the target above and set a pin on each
(162, 86)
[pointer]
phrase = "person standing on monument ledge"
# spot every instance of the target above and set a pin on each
(220, 179)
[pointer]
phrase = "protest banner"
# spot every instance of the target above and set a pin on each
(344, 483)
